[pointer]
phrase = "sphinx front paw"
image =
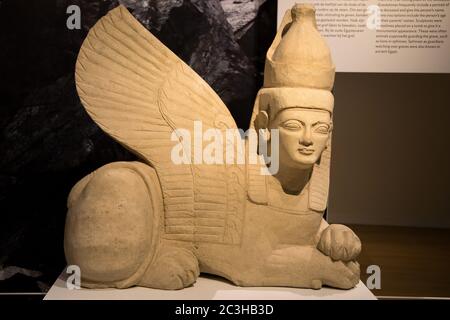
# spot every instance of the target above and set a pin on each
(174, 268)
(342, 275)
(340, 243)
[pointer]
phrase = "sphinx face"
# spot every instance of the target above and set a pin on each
(303, 135)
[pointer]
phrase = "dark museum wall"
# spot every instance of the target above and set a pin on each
(391, 150)
(390, 147)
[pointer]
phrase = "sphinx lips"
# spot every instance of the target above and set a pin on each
(306, 151)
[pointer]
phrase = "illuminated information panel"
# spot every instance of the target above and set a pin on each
(384, 35)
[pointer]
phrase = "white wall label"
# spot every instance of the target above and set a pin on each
(384, 35)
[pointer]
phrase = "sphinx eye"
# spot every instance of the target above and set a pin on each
(323, 129)
(292, 125)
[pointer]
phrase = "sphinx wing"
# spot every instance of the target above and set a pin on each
(139, 92)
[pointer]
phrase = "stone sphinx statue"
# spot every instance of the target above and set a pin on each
(159, 223)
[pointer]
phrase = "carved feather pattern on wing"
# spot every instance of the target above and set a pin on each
(138, 91)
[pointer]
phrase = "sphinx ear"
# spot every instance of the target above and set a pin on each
(330, 131)
(261, 120)
(262, 125)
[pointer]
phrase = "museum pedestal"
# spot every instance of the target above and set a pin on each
(206, 288)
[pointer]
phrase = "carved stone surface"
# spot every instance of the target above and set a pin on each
(158, 223)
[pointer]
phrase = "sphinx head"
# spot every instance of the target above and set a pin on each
(303, 118)
(296, 98)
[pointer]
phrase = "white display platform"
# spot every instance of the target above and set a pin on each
(206, 288)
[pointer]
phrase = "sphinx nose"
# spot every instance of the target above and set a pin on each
(306, 137)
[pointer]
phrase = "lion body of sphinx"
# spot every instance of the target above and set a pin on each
(115, 234)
